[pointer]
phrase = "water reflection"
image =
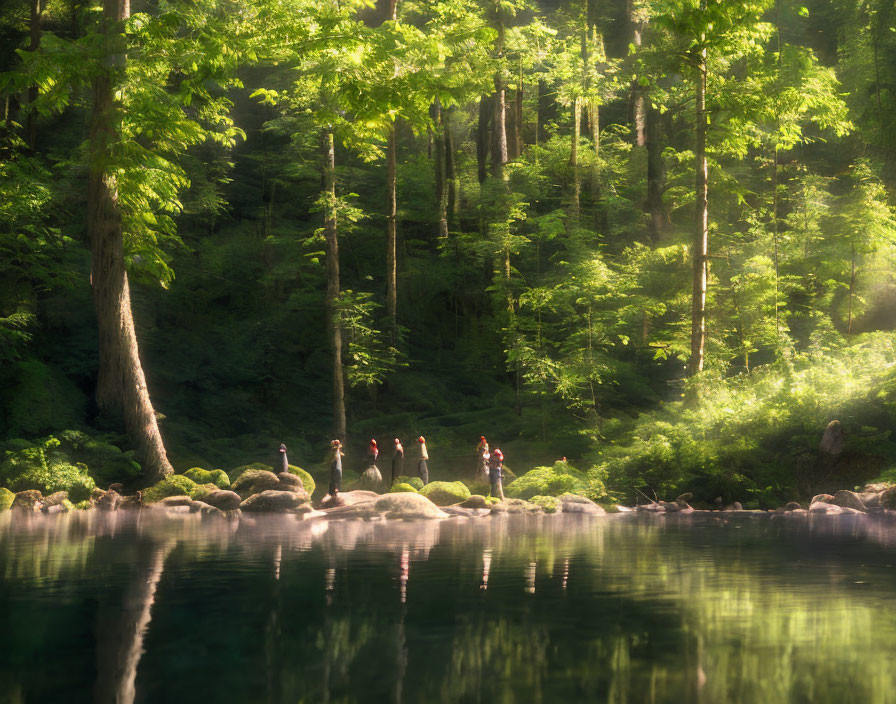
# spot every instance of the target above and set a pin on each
(136, 607)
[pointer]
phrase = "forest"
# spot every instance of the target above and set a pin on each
(655, 237)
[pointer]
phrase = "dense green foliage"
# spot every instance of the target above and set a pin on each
(544, 300)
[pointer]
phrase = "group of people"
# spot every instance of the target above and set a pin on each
(489, 466)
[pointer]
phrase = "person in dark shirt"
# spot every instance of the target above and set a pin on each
(496, 474)
(422, 469)
(397, 460)
(336, 468)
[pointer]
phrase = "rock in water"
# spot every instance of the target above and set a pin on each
(848, 499)
(792, 506)
(734, 506)
(822, 498)
(28, 501)
(288, 480)
(446, 493)
(358, 496)
(684, 500)
(820, 507)
(255, 481)
(408, 505)
(573, 503)
(371, 480)
(475, 501)
(274, 501)
(833, 440)
(223, 499)
(110, 501)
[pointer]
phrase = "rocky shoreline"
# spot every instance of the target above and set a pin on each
(263, 492)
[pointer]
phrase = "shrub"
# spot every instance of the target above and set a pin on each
(44, 468)
(6, 497)
(175, 485)
(550, 504)
(548, 481)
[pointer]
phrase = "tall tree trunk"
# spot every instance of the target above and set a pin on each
(482, 141)
(328, 166)
(121, 384)
(639, 93)
(391, 236)
(701, 235)
(656, 176)
(499, 124)
(574, 162)
(518, 112)
(450, 169)
(391, 218)
(441, 172)
(37, 10)
(544, 111)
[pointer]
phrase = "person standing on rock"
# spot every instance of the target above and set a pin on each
(496, 474)
(336, 468)
(372, 479)
(482, 454)
(422, 469)
(397, 460)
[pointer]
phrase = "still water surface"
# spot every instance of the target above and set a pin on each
(619, 609)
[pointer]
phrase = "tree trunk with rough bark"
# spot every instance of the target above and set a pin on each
(328, 167)
(482, 141)
(121, 383)
(37, 11)
(656, 176)
(391, 235)
(701, 234)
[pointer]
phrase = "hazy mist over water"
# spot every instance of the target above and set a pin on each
(147, 608)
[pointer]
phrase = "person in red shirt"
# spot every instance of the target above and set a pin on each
(422, 469)
(496, 474)
(371, 479)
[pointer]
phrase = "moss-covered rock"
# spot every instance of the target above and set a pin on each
(218, 477)
(237, 471)
(476, 501)
(408, 505)
(415, 482)
(84, 505)
(175, 485)
(548, 481)
(254, 481)
(223, 499)
(550, 504)
(203, 490)
(516, 506)
(445, 493)
(274, 501)
(307, 479)
(6, 498)
(400, 488)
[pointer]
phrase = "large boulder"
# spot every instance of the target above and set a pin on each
(833, 440)
(476, 501)
(407, 505)
(888, 497)
(175, 485)
(271, 500)
(822, 498)
(28, 501)
(255, 481)
(6, 499)
(218, 477)
(358, 496)
(223, 499)
(290, 482)
(572, 503)
(170, 501)
(848, 499)
(445, 493)
(110, 501)
(822, 507)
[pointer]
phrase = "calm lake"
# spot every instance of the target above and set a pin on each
(140, 607)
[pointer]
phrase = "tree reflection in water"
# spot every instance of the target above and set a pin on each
(628, 609)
